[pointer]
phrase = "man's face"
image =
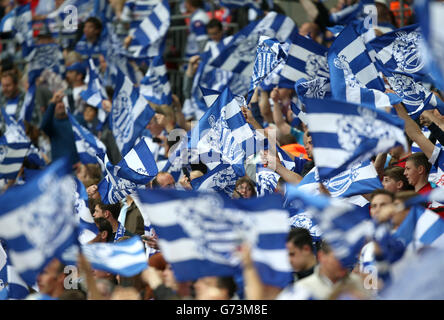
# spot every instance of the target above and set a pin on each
(154, 127)
(9, 88)
(206, 289)
(215, 34)
(59, 111)
(377, 203)
(331, 267)
(71, 76)
(390, 184)
(90, 31)
(308, 145)
(166, 181)
(98, 213)
(412, 173)
(49, 279)
(298, 257)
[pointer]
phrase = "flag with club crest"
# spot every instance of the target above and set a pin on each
(126, 258)
(349, 134)
(353, 75)
(221, 136)
(87, 144)
(221, 179)
(306, 59)
(135, 170)
(269, 54)
(87, 227)
(36, 224)
(399, 51)
(130, 113)
(429, 15)
(318, 88)
(149, 37)
(155, 86)
(238, 55)
(199, 232)
(14, 146)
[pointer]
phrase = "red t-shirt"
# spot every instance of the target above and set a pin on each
(400, 163)
(426, 189)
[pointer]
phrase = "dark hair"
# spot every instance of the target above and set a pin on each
(13, 73)
(105, 225)
(247, 180)
(324, 247)
(96, 22)
(214, 23)
(113, 208)
(397, 174)
(382, 191)
(420, 159)
(405, 195)
(227, 283)
(196, 3)
(300, 237)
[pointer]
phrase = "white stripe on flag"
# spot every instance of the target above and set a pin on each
(352, 50)
(276, 259)
(179, 250)
(425, 221)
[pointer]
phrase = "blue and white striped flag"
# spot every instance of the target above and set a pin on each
(42, 57)
(269, 54)
(238, 55)
(221, 179)
(234, 4)
(148, 38)
(126, 258)
(429, 15)
(130, 113)
(318, 88)
(14, 146)
(353, 75)
(421, 227)
(345, 134)
(23, 27)
(155, 86)
(399, 51)
(36, 224)
(87, 144)
(87, 227)
(199, 233)
(28, 103)
(12, 287)
(415, 96)
(7, 22)
(135, 170)
(222, 134)
(306, 59)
(362, 178)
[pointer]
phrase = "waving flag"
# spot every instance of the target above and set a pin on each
(269, 54)
(130, 113)
(88, 228)
(422, 227)
(126, 257)
(306, 59)
(14, 146)
(238, 55)
(12, 287)
(221, 179)
(149, 36)
(42, 57)
(28, 104)
(37, 225)
(134, 171)
(429, 15)
(318, 88)
(199, 232)
(95, 93)
(87, 144)
(399, 51)
(360, 179)
(415, 97)
(222, 135)
(23, 27)
(155, 86)
(349, 134)
(353, 75)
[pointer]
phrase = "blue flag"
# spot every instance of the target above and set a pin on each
(130, 113)
(36, 224)
(199, 233)
(126, 257)
(155, 86)
(87, 227)
(239, 54)
(14, 146)
(87, 144)
(43, 57)
(353, 75)
(318, 88)
(306, 59)
(345, 134)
